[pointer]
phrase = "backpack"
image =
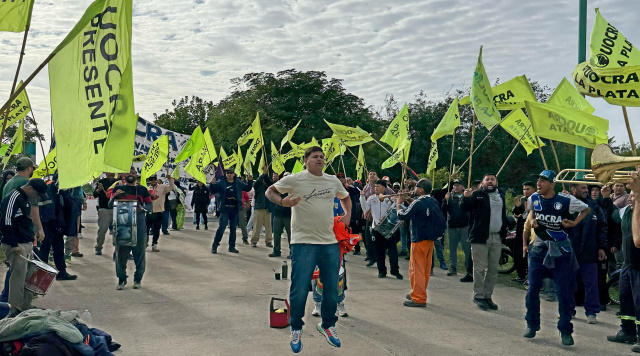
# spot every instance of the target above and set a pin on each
(435, 219)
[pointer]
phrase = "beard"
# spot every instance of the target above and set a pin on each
(490, 190)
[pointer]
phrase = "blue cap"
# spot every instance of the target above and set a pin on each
(548, 175)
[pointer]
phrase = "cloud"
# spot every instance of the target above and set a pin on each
(397, 47)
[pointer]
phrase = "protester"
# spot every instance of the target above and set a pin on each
(200, 204)
(615, 256)
(313, 242)
(105, 214)
(369, 190)
(158, 194)
(489, 225)
(262, 216)
(457, 228)
(174, 201)
(228, 192)
(520, 213)
(551, 252)
(282, 222)
(6, 176)
(588, 241)
(242, 218)
(620, 196)
(405, 226)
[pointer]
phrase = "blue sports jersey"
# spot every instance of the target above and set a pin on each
(550, 212)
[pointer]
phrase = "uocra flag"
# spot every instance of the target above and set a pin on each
(92, 94)
(15, 15)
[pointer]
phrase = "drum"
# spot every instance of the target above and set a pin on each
(125, 222)
(40, 276)
(389, 223)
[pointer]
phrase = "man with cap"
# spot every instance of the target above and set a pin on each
(228, 192)
(18, 231)
(551, 252)
(369, 190)
(261, 210)
(457, 228)
(25, 169)
(489, 225)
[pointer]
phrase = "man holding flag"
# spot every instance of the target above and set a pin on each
(228, 192)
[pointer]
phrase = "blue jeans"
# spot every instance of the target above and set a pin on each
(165, 221)
(228, 216)
(459, 235)
(589, 275)
(304, 259)
(563, 275)
(439, 246)
(404, 236)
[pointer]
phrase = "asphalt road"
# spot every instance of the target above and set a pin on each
(196, 303)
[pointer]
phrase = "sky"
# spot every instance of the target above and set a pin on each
(399, 47)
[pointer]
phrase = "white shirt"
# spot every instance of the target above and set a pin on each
(378, 208)
(312, 218)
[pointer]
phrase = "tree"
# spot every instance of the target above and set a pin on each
(185, 116)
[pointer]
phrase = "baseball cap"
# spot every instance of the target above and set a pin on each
(456, 181)
(39, 186)
(340, 175)
(385, 178)
(24, 163)
(548, 175)
(396, 184)
(286, 174)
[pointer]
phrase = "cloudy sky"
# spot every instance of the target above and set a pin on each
(399, 47)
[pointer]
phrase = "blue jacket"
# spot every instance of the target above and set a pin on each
(416, 212)
(220, 190)
(590, 235)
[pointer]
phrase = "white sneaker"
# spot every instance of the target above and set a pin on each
(154, 248)
(591, 319)
(316, 309)
(79, 235)
(341, 311)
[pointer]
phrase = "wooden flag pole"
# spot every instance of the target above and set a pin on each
(541, 154)
(555, 155)
(473, 132)
(474, 151)
(391, 154)
(513, 150)
(626, 121)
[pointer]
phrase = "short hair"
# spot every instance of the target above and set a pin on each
(382, 182)
(373, 171)
(476, 182)
(489, 174)
(311, 150)
(425, 184)
(529, 184)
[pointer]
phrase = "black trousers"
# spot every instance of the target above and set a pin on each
(174, 218)
(154, 221)
(53, 238)
(384, 247)
(519, 260)
(630, 300)
(201, 210)
(602, 282)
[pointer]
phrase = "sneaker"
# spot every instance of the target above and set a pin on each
(274, 255)
(491, 304)
(341, 311)
(481, 303)
(636, 347)
(154, 248)
(269, 245)
(623, 337)
(398, 276)
(136, 285)
(254, 245)
(80, 234)
(76, 254)
(443, 266)
(371, 263)
(412, 304)
(467, 278)
(121, 284)
(452, 273)
(206, 227)
(355, 253)
(98, 252)
(316, 309)
(329, 334)
(566, 339)
(296, 341)
(530, 333)
(197, 227)
(233, 250)
(165, 232)
(591, 319)
(518, 280)
(402, 253)
(245, 242)
(551, 297)
(382, 275)
(66, 277)
(214, 249)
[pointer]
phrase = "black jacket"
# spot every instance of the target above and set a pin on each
(103, 199)
(15, 212)
(479, 206)
(220, 190)
(590, 235)
(520, 216)
(456, 217)
(200, 196)
(260, 186)
(611, 214)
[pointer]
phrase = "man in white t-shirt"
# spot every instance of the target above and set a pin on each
(313, 242)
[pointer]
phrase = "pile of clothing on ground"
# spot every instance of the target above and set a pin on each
(51, 333)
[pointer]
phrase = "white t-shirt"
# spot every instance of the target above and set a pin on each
(312, 218)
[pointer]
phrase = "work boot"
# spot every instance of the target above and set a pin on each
(481, 303)
(197, 227)
(467, 278)
(566, 339)
(206, 227)
(214, 249)
(233, 250)
(491, 304)
(623, 337)
(371, 263)
(66, 277)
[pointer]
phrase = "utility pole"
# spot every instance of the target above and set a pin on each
(582, 56)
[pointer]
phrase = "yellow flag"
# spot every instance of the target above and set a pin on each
(289, 135)
(516, 124)
(201, 160)
(252, 133)
(15, 15)
(350, 136)
(253, 150)
(449, 122)
(298, 150)
(433, 157)
(193, 145)
(228, 161)
(19, 108)
(567, 125)
(238, 162)
(49, 168)
(312, 143)
(567, 96)
(482, 97)
(609, 48)
(331, 148)
(276, 162)
(155, 159)
(299, 167)
(176, 172)
(360, 164)
(262, 165)
(509, 95)
(92, 103)
(401, 155)
(15, 146)
(398, 131)
(138, 158)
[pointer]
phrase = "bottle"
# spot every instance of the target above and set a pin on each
(285, 270)
(86, 317)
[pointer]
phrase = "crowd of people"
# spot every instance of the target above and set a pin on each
(566, 243)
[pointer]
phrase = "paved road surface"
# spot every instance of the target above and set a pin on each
(195, 303)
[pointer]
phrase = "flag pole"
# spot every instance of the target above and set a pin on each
(391, 154)
(544, 162)
(474, 150)
(555, 155)
(513, 150)
(626, 121)
(473, 132)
